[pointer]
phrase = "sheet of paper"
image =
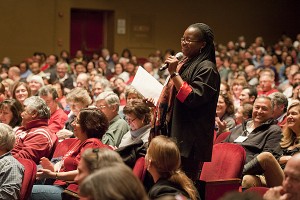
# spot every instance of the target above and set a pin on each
(147, 85)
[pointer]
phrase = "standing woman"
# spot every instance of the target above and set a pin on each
(21, 91)
(187, 105)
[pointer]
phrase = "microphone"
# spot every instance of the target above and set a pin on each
(178, 55)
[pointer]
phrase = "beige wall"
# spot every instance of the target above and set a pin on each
(44, 25)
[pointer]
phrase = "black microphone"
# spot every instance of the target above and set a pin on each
(178, 55)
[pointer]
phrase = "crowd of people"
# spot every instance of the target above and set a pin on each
(248, 89)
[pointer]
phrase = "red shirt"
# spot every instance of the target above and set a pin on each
(72, 157)
(262, 93)
(34, 141)
(57, 120)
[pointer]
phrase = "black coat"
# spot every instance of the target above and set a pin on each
(193, 121)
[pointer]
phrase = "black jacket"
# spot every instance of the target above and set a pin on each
(265, 138)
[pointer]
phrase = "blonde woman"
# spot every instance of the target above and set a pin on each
(163, 163)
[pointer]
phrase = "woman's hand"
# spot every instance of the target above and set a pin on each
(222, 125)
(149, 102)
(172, 63)
(44, 173)
(47, 164)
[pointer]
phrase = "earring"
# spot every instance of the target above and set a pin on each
(200, 51)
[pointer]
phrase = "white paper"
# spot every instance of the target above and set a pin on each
(146, 84)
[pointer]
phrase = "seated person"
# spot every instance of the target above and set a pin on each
(34, 139)
(77, 99)
(89, 127)
(91, 160)
(113, 182)
(290, 188)
(224, 113)
(108, 103)
(138, 116)
(243, 113)
(163, 163)
(58, 117)
(11, 171)
(259, 134)
(269, 165)
(10, 113)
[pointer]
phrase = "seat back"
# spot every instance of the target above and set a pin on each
(258, 190)
(227, 162)
(139, 168)
(220, 138)
(62, 147)
(28, 179)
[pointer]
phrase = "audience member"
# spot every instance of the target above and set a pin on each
(251, 75)
(3, 95)
(163, 161)
(224, 113)
(236, 89)
(257, 135)
(114, 182)
(280, 107)
(62, 76)
(89, 127)
(14, 73)
(138, 116)
(58, 117)
(243, 113)
(266, 83)
(77, 99)
(271, 166)
(248, 95)
(11, 171)
(10, 113)
(34, 139)
(35, 83)
(290, 188)
(108, 103)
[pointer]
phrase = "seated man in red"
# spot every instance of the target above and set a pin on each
(34, 140)
(58, 117)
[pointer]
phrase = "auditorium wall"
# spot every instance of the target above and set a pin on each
(44, 25)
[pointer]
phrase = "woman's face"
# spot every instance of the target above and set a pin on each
(239, 115)
(118, 69)
(237, 89)
(77, 129)
(76, 107)
(58, 90)
(5, 115)
(34, 85)
(21, 93)
(90, 67)
(134, 122)
(221, 107)
(83, 172)
(293, 118)
(190, 44)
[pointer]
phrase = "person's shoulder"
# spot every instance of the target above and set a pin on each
(165, 187)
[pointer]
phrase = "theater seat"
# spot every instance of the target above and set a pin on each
(28, 179)
(139, 168)
(223, 173)
(220, 138)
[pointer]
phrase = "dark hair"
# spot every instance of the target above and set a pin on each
(252, 91)
(229, 103)
(139, 109)
(16, 108)
(206, 35)
(126, 50)
(93, 122)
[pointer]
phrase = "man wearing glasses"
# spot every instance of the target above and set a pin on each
(108, 103)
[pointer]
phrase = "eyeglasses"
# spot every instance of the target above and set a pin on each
(101, 106)
(187, 40)
(129, 121)
(76, 120)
